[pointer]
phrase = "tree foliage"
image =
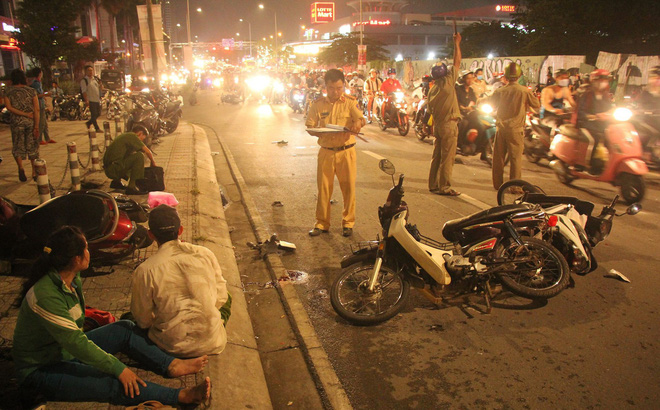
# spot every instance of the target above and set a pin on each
(47, 30)
(587, 27)
(344, 50)
(480, 39)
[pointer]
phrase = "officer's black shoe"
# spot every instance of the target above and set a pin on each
(116, 184)
(317, 232)
(347, 232)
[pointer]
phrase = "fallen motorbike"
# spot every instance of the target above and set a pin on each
(375, 282)
(620, 163)
(231, 96)
(577, 231)
(396, 113)
(109, 224)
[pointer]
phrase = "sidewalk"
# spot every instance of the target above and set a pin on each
(237, 373)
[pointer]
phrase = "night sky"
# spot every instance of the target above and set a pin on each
(219, 18)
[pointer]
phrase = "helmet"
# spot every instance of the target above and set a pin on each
(655, 71)
(354, 73)
(391, 71)
(373, 70)
(599, 74)
(439, 71)
(512, 71)
(561, 71)
(427, 78)
(465, 73)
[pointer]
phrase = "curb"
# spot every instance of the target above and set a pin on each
(318, 361)
(241, 356)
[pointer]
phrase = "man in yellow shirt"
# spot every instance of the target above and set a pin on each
(337, 155)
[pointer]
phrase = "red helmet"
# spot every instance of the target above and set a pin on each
(599, 74)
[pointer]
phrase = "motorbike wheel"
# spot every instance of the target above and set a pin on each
(171, 126)
(632, 187)
(564, 177)
(352, 301)
(404, 128)
(512, 192)
(419, 131)
(381, 123)
(543, 276)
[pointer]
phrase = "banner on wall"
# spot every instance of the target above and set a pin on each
(146, 40)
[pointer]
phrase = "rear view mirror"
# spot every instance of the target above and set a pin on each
(634, 209)
(386, 166)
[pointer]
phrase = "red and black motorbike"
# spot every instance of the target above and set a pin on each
(396, 113)
(110, 225)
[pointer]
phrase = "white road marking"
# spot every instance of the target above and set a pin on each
(371, 154)
(296, 119)
(249, 143)
(473, 201)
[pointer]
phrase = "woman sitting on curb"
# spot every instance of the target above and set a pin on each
(54, 358)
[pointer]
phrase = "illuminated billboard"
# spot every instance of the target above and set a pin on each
(323, 12)
(506, 8)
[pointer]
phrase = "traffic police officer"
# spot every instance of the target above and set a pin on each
(337, 154)
(512, 102)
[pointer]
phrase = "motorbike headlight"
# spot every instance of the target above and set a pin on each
(486, 108)
(622, 114)
(279, 88)
(216, 82)
(258, 83)
(399, 96)
(145, 90)
(348, 91)
(127, 90)
(298, 97)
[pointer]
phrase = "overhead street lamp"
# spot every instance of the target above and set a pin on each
(249, 32)
(261, 6)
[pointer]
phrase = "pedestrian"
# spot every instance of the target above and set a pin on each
(337, 153)
(37, 75)
(91, 92)
(512, 102)
(23, 104)
(55, 358)
(123, 159)
(179, 293)
(443, 105)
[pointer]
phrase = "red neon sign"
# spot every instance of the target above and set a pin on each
(13, 45)
(323, 12)
(372, 23)
(507, 8)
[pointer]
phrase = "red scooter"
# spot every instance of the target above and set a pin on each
(624, 167)
(109, 224)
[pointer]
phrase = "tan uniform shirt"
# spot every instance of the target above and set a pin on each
(443, 103)
(512, 102)
(343, 112)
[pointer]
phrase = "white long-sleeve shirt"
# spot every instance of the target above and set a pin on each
(177, 294)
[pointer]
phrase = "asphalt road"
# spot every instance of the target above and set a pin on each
(595, 345)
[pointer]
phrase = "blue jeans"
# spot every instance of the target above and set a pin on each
(76, 381)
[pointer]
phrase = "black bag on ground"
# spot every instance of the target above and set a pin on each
(154, 180)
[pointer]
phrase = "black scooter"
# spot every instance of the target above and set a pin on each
(110, 225)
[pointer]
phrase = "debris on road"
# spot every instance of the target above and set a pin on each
(615, 274)
(214, 153)
(281, 142)
(272, 245)
(333, 201)
(277, 204)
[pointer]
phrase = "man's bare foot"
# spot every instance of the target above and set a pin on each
(181, 367)
(197, 394)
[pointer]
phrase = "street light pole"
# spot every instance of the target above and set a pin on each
(250, 33)
(188, 20)
(277, 60)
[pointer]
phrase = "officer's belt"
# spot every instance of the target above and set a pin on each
(345, 147)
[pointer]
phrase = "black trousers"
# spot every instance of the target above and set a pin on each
(95, 112)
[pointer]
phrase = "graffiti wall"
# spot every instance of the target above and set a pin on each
(630, 67)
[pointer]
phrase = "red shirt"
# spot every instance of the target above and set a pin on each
(390, 85)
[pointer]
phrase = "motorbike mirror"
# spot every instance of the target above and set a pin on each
(634, 209)
(387, 167)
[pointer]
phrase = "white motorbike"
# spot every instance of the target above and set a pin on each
(492, 245)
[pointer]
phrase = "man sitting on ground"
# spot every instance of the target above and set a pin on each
(179, 293)
(123, 159)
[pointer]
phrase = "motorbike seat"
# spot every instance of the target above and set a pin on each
(582, 207)
(572, 132)
(88, 212)
(451, 229)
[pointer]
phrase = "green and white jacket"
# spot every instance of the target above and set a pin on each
(49, 329)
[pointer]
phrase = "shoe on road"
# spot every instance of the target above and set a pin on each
(317, 231)
(347, 232)
(51, 141)
(43, 142)
(21, 175)
(116, 184)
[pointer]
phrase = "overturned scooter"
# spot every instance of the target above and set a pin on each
(109, 224)
(486, 246)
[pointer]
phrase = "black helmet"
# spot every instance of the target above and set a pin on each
(427, 79)
(439, 71)
(655, 71)
(391, 71)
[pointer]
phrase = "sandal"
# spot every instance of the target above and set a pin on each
(449, 192)
(21, 175)
(151, 404)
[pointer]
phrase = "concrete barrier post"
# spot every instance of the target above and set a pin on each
(73, 165)
(117, 126)
(43, 184)
(94, 150)
(106, 133)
